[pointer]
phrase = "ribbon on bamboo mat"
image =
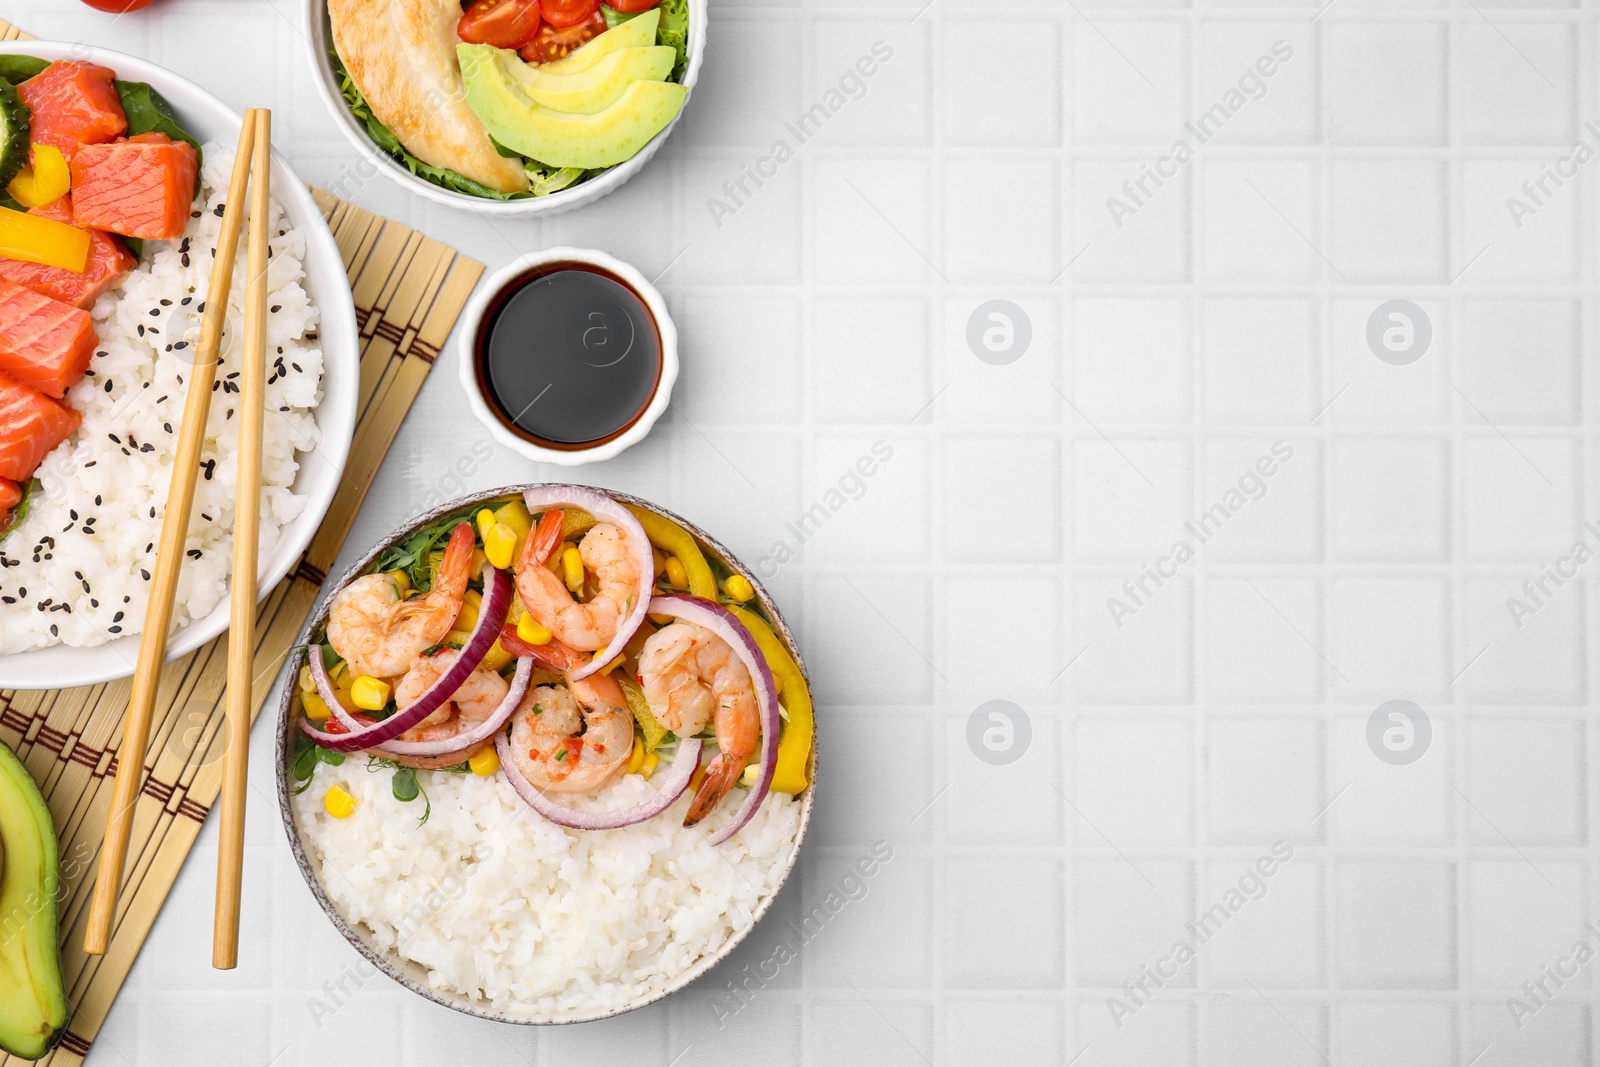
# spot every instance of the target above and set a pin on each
(409, 291)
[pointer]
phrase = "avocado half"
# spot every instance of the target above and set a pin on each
(33, 999)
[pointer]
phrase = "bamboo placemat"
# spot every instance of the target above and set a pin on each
(409, 290)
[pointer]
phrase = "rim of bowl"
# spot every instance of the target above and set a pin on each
(337, 334)
(466, 342)
(411, 975)
(318, 37)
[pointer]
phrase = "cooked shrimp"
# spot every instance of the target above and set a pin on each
(692, 677)
(574, 737)
(379, 634)
(587, 626)
(471, 705)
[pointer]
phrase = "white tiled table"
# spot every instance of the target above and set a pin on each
(1229, 710)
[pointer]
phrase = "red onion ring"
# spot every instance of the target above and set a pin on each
(496, 602)
(722, 623)
(604, 508)
(674, 780)
(461, 742)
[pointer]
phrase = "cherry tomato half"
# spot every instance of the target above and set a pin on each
(502, 23)
(118, 6)
(553, 42)
(569, 12)
(630, 7)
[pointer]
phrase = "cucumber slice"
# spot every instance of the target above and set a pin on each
(14, 126)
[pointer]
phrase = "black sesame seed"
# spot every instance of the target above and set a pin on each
(219, 209)
(114, 629)
(275, 308)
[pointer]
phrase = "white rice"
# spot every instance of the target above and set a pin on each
(76, 571)
(524, 917)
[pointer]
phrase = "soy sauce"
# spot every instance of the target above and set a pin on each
(568, 356)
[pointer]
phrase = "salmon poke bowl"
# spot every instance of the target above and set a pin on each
(506, 106)
(113, 176)
(546, 754)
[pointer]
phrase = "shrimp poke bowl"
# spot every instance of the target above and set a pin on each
(546, 754)
(506, 106)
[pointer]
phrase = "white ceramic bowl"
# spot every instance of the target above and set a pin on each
(472, 320)
(410, 974)
(319, 42)
(209, 119)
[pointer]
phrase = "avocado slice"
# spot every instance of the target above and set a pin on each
(594, 90)
(555, 138)
(635, 33)
(33, 999)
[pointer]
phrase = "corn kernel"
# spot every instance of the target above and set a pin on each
(402, 581)
(658, 560)
(751, 773)
(339, 803)
(677, 577)
(613, 663)
(572, 567)
(661, 620)
(500, 544)
(529, 630)
(307, 683)
(739, 588)
(369, 693)
(636, 757)
(317, 709)
(697, 779)
(485, 761)
(471, 604)
(648, 766)
(485, 519)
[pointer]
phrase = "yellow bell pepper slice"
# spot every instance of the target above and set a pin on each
(496, 658)
(674, 540)
(575, 521)
(794, 747)
(47, 180)
(36, 240)
(654, 732)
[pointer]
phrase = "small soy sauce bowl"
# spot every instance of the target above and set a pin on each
(568, 356)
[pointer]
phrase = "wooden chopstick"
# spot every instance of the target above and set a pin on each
(246, 538)
(169, 560)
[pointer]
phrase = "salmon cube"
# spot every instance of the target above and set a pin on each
(109, 261)
(31, 424)
(44, 343)
(73, 104)
(140, 187)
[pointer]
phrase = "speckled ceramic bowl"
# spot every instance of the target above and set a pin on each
(409, 974)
